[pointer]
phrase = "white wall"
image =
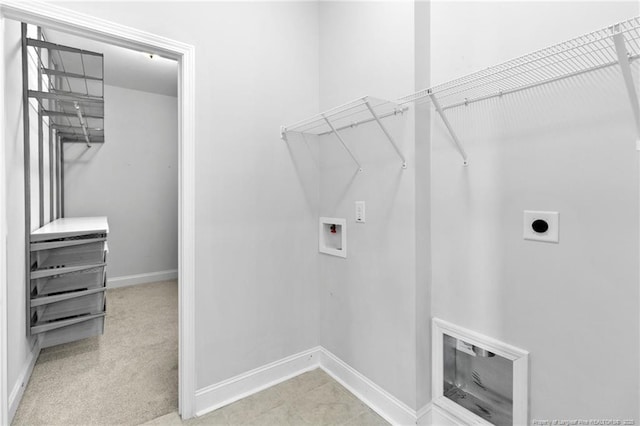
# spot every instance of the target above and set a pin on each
(132, 179)
(567, 147)
(368, 300)
(256, 265)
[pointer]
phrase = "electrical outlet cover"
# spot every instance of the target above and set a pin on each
(541, 226)
(360, 212)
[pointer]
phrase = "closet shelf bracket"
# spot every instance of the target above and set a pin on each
(625, 67)
(348, 116)
(335, 132)
(83, 124)
(447, 124)
(387, 134)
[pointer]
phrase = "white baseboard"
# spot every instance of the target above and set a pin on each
(442, 417)
(149, 277)
(386, 405)
(238, 387)
(424, 416)
(21, 384)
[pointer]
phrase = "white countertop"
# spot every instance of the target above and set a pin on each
(71, 226)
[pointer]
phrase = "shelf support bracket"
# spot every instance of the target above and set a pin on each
(82, 124)
(623, 60)
(335, 132)
(459, 146)
(387, 134)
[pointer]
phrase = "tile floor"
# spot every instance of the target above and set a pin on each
(313, 398)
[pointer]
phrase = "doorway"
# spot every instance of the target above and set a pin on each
(69, 22)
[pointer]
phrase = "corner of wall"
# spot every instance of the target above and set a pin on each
(19, 352)
(18, 388)
(422, 205)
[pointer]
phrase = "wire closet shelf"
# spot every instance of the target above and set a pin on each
(73, 97)
(617, 44)
(349, 115)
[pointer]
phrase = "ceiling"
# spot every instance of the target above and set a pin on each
(127, 68)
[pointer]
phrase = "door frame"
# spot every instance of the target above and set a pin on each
(61, 19)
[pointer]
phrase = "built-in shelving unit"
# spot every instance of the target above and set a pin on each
(73, 99)
(350, 115)
(65, 258)
(66, 295)
(616, 45)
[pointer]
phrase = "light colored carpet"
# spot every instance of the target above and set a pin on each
(127, 376)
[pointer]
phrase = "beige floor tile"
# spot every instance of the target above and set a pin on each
(249, 408)
(368, 418)
(216, 418)
(329, 404)
(166, 420)
(298, 386)
(312, 398)
(282, 415)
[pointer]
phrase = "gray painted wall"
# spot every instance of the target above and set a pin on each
(132, 179)
(567, 147)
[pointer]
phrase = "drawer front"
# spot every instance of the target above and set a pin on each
(81, 304)
(82, 280)
(71, 333)
(82, 254)
(45, 245)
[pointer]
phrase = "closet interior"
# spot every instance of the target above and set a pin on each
(63, 98)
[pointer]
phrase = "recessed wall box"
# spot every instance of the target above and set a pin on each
(332, 238)
(478, 379)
